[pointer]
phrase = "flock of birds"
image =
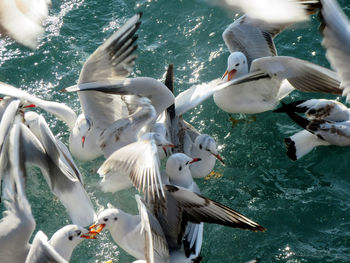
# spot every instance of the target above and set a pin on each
(137, 122)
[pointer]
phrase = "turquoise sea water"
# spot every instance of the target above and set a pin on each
(304, 205)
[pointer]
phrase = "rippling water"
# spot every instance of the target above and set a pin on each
(304, 205)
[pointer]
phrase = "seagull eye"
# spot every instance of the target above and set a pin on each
(180, 168)
(208, 150)
(200, 146)
(237, 65)
(116, 218)
(70, 237)
(105, 219)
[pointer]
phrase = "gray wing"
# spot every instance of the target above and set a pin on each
(249, 39)
(17, 224)
(303, 75)
(42, 252)
(6, 124)
(63, 181)
(335, 28)
(114, 59)
(160, 96)
(154, 235)
(139, 161)
(201, 209)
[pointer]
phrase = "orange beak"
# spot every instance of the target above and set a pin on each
(230, 74)
(219, 158)
(195, 160)
(93, 232)
(82, 141)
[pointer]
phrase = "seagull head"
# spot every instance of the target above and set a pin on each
(206, 144)
(82, 128)
(108, 218)
(178, 169)
(236, 66)
(66, 239)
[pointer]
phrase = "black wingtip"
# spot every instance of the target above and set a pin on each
(291, 150)
(169, 82)
(292, 107)
(140, 14)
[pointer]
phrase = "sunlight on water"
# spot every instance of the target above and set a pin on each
(304, 205)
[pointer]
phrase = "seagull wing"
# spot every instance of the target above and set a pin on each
(335, 28)
(139, 161)
(155, 239)
(194, 96)
(303, 75)
(249, 39)
(17, 224)
(201, 209)
(42, 251)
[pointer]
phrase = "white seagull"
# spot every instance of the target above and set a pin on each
(327, 123)
(256, 78)
(101, 82)
(140, 235)
(43, 150)
(181, 207)
(23, 20)
(18, 224)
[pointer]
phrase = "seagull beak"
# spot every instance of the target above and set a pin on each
(93, 232)
(30, 106)
(98, 230)
(195, 160)
(82, 141)
(167, 146)
(219, 158)
(229, 74)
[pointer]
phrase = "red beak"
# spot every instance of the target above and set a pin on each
(230, 74)
(195, 160)
(82, 141)
(30, 106)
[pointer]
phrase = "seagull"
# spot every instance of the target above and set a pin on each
(18, 224)
(182, 206)
(272, 11)
(136, 163)
(327, 123)
(23, 20)
(335, 29)
(256, 78)
(43, 150)
(101, 83)
(140, 235)
(203, 147)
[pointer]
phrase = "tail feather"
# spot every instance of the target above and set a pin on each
(302, 143)
(292, 107)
